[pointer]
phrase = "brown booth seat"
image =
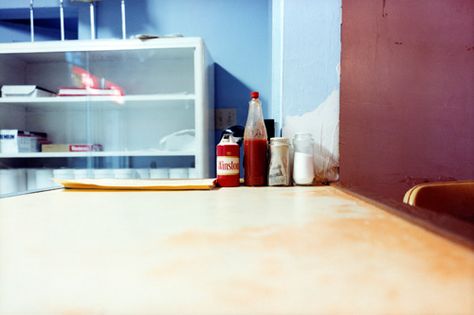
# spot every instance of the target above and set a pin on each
(453, 197)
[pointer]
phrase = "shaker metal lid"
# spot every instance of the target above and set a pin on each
(279, 140)
(303, 135)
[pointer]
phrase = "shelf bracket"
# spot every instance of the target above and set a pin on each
(32, 22)
(124, 23)
(61, 17)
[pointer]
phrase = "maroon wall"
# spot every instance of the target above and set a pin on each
(407, 101)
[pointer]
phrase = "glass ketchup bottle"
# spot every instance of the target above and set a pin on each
(255, 144)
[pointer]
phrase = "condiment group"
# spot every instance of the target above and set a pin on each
(273, 162)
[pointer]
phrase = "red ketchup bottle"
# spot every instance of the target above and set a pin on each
(255, 144)
(228, 162)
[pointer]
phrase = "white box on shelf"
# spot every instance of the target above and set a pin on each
(25, 91)
(15, 141)
(9, 141)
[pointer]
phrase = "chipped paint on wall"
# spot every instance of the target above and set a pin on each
(323, 124)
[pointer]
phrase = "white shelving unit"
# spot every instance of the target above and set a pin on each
(167, 84)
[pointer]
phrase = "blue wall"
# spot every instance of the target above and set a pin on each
(236, 32)
(15, 21)
(312, 49)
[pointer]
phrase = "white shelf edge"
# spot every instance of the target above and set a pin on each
(99, 45)
(95, 154)
(83, 99)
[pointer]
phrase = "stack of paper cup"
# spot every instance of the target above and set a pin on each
(21, 175)
(81, 173)
(8, 181)
(64, 173)
(193, 173)
(179, 173)
(103, 173)
(31, 179)
(159, 173)
(143, 173)
(44, 178)
(124, 173)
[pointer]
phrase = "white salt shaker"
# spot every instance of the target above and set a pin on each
(303, 168)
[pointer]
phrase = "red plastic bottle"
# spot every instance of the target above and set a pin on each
(255, 145)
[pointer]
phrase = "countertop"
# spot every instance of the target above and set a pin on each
(296, 250)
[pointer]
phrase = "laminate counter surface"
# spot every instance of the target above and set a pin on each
(297, 250)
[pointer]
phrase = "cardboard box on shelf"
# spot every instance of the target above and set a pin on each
(71, 147)
(15, 141)
(55, 148)
(85, 147)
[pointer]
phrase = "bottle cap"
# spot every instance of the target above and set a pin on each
(254, 94)
(228, 139)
